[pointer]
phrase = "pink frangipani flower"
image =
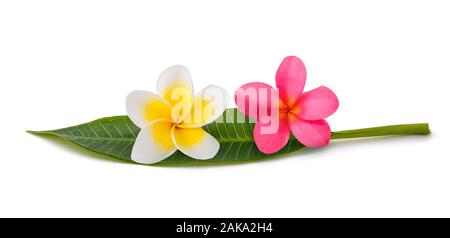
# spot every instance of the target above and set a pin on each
(277, 113)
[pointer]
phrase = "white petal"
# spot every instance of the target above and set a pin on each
(154, 143)
(209, 104)
(144, 107)
(195, 142)
(174, 81)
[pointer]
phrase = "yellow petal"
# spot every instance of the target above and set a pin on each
(195, 142)
(154, 143)
(175, 84)
(144, 107)
(208, 105)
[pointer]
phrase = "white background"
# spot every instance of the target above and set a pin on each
(67, 62)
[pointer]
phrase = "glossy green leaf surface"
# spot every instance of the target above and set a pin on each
(115, 136)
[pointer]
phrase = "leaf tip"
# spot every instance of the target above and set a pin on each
(36, 132)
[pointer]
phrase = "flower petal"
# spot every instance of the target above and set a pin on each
(175, 84)
(195, 142)
(290, 79)
(272, 138)
(257, 100)
(310, 133)
(209, 104)
(144, 107)
(154, 143)
(317, 104)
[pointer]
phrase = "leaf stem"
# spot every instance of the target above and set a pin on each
(405, 129)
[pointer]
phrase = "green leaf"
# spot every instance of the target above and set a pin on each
(115, 136)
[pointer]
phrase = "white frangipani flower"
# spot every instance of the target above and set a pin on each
(173, 118)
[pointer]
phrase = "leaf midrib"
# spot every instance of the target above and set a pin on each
(249, 140)
(82, 137)
(124, 138)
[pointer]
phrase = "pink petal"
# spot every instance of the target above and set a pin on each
(273, 142)
(256, 99)
(317, 104)
(290, 79)
(310, 133)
